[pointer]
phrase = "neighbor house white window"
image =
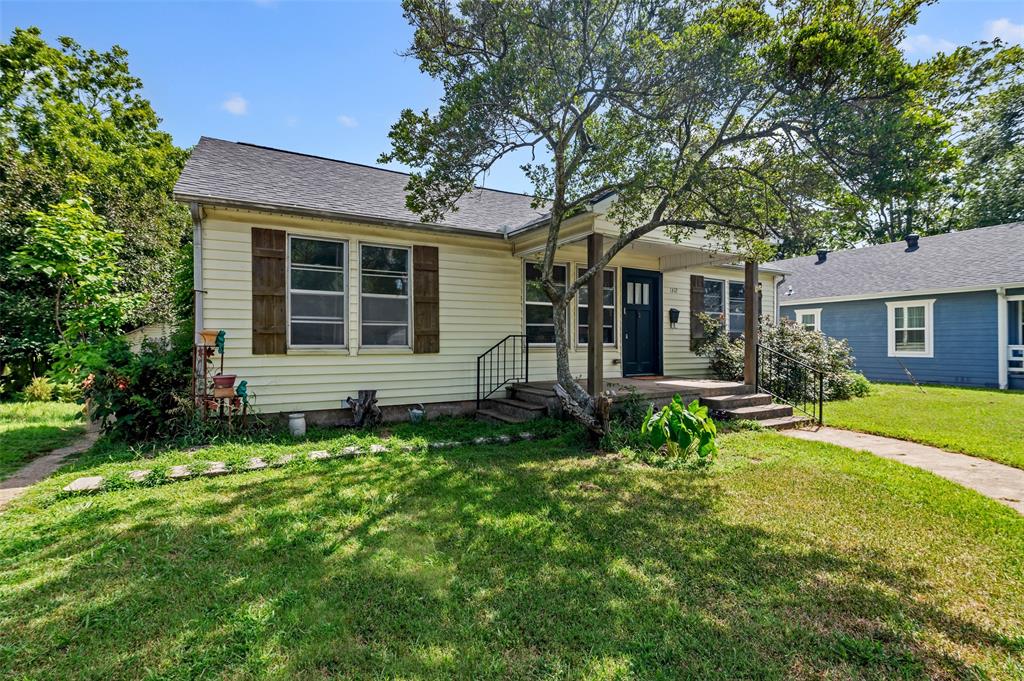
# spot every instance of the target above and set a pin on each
(384, 295)
(607, 309)
(316, 292)
(540, 317)
(910, 328)
(809, 320)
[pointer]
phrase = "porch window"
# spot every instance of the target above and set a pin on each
(384, 292)
(910, 328)
(714, 298)
(316, 292)
(737, 306)
(809, 320)
(540, 316)
(607, 310)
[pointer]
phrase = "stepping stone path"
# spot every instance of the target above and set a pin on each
(216, 468)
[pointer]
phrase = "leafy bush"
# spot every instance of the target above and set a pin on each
(681, 431)
(860, 386)
(831, 356)
(40, 389)
(67, 392)
(138, 396)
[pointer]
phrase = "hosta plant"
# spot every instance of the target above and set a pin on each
(683, 431)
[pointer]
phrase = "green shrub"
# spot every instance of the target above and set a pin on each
(860, 386)
(138, 396)
(831, 356)
(681, 431)
(67, 392)
(40, 389)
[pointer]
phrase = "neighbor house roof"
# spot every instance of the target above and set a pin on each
(236, 174)
(976, 258)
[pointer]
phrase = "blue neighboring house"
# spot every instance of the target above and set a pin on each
(947, 308)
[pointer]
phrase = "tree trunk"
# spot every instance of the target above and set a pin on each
(591, 411)
(365, 411)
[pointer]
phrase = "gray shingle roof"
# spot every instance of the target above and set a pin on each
(987, 256)
(234, 173)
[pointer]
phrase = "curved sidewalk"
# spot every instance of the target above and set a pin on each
(1003, 483)
(41, 467)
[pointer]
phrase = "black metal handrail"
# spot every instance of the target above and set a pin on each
(791, 380)
(494, 370)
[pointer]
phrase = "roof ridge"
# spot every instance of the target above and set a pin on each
(349, 163)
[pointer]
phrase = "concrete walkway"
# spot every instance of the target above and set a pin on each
(1003, 483)
(40, 467)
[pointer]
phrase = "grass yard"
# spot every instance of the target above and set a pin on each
(788, 559)
(985, 423)
(28, 429)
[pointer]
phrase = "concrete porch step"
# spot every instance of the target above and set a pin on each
(495, 416)
(786, 422)
(522, 409)
(723, 402)
(760, 412)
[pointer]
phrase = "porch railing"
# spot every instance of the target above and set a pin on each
(506, 361)
(792, 381)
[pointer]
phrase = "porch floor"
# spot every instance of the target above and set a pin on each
(654, 387)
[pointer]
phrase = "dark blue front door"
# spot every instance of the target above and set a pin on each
(641, 322)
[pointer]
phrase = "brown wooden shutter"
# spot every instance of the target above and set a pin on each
(268, 291)
(426, 300)
(696, 309)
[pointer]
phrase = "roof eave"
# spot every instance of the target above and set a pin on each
(301, 211)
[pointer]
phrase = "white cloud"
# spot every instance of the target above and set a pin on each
(1005, 29)
(926, 45)
(236, 105)
(347, 121)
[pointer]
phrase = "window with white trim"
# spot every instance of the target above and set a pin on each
(540, 316)
(316, 292)
(737, 306)
(910, 328)
(724, 300)
(384, 295)
(607, 310)
(809, 320)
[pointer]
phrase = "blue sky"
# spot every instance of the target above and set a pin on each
(325, 77)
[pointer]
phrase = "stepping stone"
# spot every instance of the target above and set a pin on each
(255, 464)
(283, 461)
(441, 444)
(90, 484)
(351, 450)
(504, 439)
(319, 455)
(378, 449)
(215, 468)
(526, 435)
(179, 473)
(138, 476)
(482, 440)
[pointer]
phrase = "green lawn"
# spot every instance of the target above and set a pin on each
(985, 423)
(788, 559)
(28, 429)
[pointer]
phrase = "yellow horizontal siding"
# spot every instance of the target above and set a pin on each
(481, 294)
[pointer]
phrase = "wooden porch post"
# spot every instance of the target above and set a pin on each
(750, 311)
(595, 318)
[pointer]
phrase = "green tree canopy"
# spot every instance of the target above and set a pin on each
(745, 119)
(75, 119)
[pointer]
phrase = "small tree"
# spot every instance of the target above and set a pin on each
(735, 117)
(73, 247)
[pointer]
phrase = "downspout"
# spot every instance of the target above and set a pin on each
(779, 281)
(197, 265)
(1003, 332)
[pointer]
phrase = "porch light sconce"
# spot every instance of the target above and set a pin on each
(673, 317)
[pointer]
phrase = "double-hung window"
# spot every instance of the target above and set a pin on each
(384, 295)
(607, 308)
(910, 328)
(316, 292)
(714, 298)
(540, 316)
(809, 320)
(737, 307)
